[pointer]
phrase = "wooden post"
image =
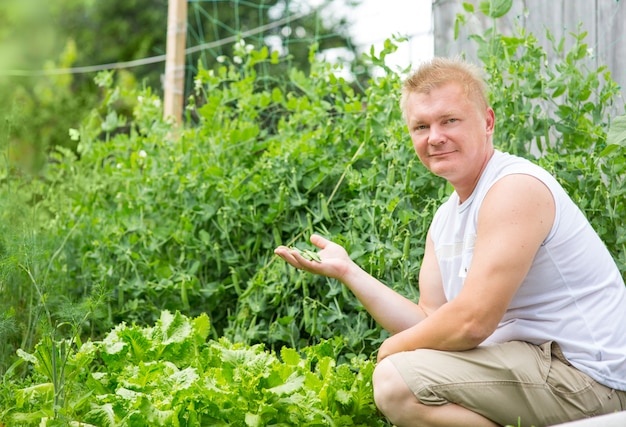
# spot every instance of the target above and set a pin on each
(174, 84)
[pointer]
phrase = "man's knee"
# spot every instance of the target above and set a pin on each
(391, 394)
(397, 402)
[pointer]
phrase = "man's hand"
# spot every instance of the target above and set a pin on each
(333, 259)
(390, 346)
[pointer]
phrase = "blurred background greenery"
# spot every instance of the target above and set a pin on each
(39, 39)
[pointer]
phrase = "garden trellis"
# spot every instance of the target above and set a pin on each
(177, 35)
(204, 31)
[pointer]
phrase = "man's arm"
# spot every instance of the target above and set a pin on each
(515, 218)
(391, 310)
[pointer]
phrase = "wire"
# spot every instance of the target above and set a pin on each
(152, 59)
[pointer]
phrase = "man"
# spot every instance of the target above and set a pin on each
(522, 310)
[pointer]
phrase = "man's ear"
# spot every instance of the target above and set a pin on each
(490, 120)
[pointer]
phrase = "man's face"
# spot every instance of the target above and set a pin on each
(450, 133)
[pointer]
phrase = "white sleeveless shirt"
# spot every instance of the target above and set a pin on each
(573, 294)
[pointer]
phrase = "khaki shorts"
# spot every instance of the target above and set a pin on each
(514, 383)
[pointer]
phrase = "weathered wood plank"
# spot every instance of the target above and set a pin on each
(610, 48)
(603, 20)
(544, 15)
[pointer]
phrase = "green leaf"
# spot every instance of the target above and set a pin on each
(112, 343)
(26, 356)
(202, 327)
(460, 20)
(253, 420)
(290, 356)
(277, 95)
(343, 396)
(468, 7)
(74, 134)
(174, 328)
(103, 415)
(617, 132)
(293, 384)
(608, 150)
(495, 8)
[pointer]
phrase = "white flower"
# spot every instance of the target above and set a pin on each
(220, 59)
(142, 154)
(237, 60)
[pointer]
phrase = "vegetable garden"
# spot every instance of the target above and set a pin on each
(138, 282)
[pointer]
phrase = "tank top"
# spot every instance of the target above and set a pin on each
(573, 294)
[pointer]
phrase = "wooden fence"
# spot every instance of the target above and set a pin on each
(604, 20)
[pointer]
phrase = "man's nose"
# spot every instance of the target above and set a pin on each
(435, 136)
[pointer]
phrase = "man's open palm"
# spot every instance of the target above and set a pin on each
(334, 258)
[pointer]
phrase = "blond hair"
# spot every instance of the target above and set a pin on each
(440, 71)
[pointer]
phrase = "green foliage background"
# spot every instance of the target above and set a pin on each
(39, 37)
(132, 226)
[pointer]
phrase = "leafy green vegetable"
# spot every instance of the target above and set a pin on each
(168, 374)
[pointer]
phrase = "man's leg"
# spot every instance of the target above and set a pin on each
(398, 403)
(504, 383)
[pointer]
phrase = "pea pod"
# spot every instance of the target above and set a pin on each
(308, 254)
